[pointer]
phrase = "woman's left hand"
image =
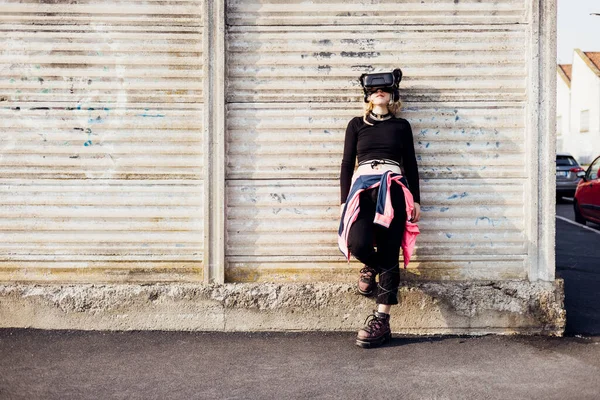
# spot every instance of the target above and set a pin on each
(416, 213)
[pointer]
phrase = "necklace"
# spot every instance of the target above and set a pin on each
(380, 117)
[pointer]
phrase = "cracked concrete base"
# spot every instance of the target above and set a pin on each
(475, 307)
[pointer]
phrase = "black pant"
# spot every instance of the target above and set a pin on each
(364, 234)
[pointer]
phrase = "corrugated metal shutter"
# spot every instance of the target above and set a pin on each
(101, 132)
(292, 87)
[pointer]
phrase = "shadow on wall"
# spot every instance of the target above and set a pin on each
(472, 216)
(471, 159)
(472, 164)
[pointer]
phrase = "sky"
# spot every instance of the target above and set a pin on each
(576, 28)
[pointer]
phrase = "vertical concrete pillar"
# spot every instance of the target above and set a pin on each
(542, 130)
(214, 139)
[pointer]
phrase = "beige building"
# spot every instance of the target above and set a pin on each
(175, 165)
(578, 106)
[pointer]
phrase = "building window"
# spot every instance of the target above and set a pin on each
(559, 125)
(584, 121)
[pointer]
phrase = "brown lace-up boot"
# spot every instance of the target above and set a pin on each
(376, 331)
(366, 281)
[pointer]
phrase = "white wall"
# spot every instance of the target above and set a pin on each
(563, 110)
(585, 95)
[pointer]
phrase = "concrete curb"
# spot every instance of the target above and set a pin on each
(475, 307)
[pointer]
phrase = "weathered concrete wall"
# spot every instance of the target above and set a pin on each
(478, 307)
(198, 184)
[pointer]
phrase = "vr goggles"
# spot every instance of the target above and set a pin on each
(386, 81)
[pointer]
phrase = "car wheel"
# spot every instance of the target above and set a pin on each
(578, 217)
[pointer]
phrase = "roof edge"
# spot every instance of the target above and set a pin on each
(564, 76)
(588, 62)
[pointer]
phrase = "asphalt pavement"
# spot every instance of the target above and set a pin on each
(36, 364)
(184, 365)
(578, 263)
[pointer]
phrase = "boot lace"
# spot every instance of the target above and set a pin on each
(393, 270)
(373, 323)
(367, 273)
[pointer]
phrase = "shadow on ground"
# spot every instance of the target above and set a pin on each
(578, 263)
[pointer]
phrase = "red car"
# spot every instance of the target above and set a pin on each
(587, 195)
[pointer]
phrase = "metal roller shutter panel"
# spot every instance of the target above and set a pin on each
(101, 131)
(292, 88)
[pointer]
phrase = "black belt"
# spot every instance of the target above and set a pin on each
(375, 163)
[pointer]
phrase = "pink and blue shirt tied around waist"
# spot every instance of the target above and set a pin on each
(384, 211)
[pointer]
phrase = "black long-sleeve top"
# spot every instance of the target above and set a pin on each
(390, 139)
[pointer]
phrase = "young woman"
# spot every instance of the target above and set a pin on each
(382, 143)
